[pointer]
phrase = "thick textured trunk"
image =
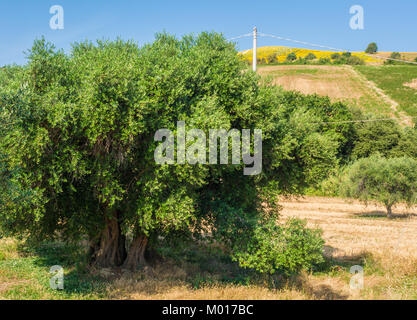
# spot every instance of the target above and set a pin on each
(111, 250)
(136, 255)
(389, 212)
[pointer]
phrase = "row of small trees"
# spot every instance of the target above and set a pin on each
(311, 58)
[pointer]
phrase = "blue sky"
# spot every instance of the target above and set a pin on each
(392, 24)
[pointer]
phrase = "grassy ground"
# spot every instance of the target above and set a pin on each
(396, 81)
(354, 234)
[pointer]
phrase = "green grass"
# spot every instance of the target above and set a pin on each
(391, 79)
(24, 273)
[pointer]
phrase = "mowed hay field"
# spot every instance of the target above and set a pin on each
(354, 235)
(339, 83)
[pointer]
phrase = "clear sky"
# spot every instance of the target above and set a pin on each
(392, 24)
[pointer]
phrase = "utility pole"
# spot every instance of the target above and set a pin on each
(255, 55)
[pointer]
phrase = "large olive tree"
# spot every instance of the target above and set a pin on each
(77, 146)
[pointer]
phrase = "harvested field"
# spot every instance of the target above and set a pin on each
(339, 83)
(352, 228)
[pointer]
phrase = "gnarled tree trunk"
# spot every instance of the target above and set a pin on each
(111, 250)
(136, 255)
(389, 212)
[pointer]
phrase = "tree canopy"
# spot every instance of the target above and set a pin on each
(77, 146)
(386, 181)
(372, 48)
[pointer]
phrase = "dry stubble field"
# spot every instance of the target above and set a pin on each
(355, 235)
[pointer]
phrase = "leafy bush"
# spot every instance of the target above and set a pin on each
(291, 57)
(324, 61)
(310, 56)
(346, 54)
(272, 58)
(386, 138)
(335, 56)
(287, 248)
(386, 181)
(395, 55)
(354, 60)
(372, 48)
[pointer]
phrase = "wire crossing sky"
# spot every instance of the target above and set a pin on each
(392, 25)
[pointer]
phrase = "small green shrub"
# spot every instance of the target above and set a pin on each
(286, 249)
(346, 54)
(291, 57)
(335, 56)
(355, 61)
(324, 61)
(310, 56)
(272, 58)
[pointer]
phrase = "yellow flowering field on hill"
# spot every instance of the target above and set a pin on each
(264, 53)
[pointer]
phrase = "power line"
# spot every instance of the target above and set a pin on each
(364, 120)
(241, 36)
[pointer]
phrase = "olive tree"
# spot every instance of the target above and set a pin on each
(386, 181)
(372, 48)
(78, 150)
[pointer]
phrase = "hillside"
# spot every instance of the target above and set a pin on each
(264, 54)
(339, 83)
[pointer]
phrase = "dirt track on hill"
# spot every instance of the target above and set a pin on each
(339, 83)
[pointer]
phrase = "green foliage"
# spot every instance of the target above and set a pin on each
(324, 61)
(291, 57)
(387, 181)
(372, 48)
(355, 61)
(386, 138)
(395, 55)
(80, 150)
(335, 56)
(272, 58)
(310, 56)
(346, 55)
(287, 248)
